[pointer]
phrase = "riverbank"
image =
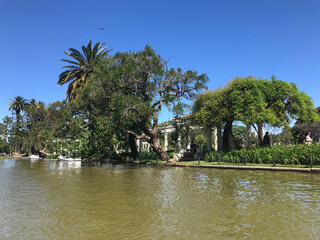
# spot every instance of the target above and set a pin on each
(204, 164)
(291, 168)
(8, 157)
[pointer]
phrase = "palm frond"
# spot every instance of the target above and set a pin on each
(66, 76)
(96, 48)
(74, 53)
(81, 67)
(18, 104)
(103, 51)
(69, 61)
(86, 53)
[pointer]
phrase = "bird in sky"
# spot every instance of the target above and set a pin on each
(100, 29)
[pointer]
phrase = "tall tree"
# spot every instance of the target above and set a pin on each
(137, 86)
(17, 105)
(255, 102)
(81, 66)
(210, 109)
(36, 125)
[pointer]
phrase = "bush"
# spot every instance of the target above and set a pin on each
(148, 156)
(289, 155)
(52, 156)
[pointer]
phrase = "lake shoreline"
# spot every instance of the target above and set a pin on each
(285, 169)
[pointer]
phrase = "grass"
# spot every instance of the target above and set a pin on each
(242, 164)
(7, 157)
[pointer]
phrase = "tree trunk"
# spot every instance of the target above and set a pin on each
(18, 134)
(219, 138)
(158, 149)
(153, 137)
(209, 139)
(226, 135)
(231, 138)
(260, 133)
(133, 146)
(248, 143)
(17, 147)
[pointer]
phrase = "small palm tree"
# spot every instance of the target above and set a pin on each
(81, 67)
(17, 105)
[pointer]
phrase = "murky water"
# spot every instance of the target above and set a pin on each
(54, 200)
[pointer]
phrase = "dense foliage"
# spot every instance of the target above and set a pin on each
(132, 88)
(288, 155)
(253, 102)
(115, 100)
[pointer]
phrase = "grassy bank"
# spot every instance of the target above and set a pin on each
(8, 157)
(204, 163)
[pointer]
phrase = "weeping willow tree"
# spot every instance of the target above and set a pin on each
(253, 102)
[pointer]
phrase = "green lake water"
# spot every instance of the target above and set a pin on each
(56, 200)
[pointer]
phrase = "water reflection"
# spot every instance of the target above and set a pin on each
(68, 165)
(7, 163)
(61, 200)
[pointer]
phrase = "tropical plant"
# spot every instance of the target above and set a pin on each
(17, 105)
(81, 67)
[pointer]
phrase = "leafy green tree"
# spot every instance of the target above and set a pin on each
(6, 127)
(200, 141)
(285, 137)
(135, 87)
(255, 102)
(239, 134)
(81, 66)
(274, 102)
(5, 130)
(212, 109)
(37, 127)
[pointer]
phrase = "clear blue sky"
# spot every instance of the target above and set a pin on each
(223, 38)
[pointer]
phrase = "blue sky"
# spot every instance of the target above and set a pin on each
(223, 38)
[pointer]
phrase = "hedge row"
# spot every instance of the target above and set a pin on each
(288, 155)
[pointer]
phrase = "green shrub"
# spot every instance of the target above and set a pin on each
(148, 156)
(289, 155)
(52, 156)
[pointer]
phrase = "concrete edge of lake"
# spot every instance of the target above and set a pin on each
(287, 169)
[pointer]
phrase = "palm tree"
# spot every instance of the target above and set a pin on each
(17, 105)
(81, 67)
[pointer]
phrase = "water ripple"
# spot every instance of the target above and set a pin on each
(49, 200)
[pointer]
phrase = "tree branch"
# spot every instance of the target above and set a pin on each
(139, 136)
